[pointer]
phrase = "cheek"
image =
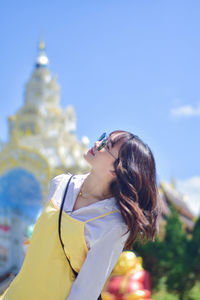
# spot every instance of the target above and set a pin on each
(104, 161)
(107, 162)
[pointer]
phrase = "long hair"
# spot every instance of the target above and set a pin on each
(135, 188)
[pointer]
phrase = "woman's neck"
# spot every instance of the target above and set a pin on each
(96, 186)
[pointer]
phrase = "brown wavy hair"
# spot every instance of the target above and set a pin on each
(135, 188)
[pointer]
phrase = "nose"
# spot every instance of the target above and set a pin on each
(97, 143)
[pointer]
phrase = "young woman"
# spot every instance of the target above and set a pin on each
(104, 212)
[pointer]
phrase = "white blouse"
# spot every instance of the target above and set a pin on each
(103, 237)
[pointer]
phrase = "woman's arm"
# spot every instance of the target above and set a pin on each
(98, 265)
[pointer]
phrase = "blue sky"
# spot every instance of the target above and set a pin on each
(131, 65)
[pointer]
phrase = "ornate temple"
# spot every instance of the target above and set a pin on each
(169, 195)
(42, 144)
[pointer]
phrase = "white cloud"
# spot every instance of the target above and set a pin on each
(186, 111)
(190, 188)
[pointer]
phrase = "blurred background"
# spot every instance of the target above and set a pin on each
(71, 70)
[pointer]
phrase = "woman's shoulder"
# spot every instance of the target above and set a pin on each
(113, 220)
(55, 182)
(120, 225)
(111, 229)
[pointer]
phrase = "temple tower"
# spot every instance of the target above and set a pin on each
(42, 143)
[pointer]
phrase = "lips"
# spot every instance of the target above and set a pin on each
(91, 151)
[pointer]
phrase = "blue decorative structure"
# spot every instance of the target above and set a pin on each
(20, 190)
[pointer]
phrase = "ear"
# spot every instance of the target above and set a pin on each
(113, 173)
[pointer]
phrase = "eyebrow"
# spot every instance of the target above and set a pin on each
(112, 142)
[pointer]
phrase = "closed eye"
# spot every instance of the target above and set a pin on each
(108, 145)
(112, 143)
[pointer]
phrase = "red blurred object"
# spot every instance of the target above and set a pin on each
(128, 280)
(4, 227)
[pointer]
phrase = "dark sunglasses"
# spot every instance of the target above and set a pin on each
(103, 138)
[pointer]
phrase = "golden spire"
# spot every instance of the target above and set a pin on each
(41, 45)
(42, 59)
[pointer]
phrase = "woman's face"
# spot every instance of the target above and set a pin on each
(102, 161)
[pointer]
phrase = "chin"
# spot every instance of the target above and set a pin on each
(86, 156)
